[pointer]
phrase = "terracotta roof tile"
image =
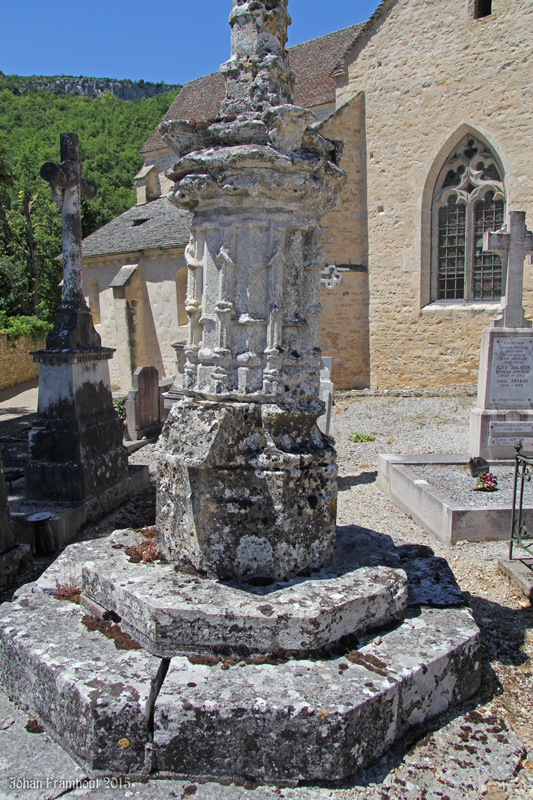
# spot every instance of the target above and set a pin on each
(313, 63)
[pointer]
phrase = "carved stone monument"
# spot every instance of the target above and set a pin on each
(229, 669)
(504, 410)
(76, 447)
(247, 484)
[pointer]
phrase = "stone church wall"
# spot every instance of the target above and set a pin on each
(140, 318)
(430, 73)
(344, 318)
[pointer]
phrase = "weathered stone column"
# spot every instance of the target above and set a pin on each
(76, 447)
(247, 484)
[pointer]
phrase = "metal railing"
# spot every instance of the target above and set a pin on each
(520, 536)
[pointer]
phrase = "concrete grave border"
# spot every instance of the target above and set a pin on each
(436, 511)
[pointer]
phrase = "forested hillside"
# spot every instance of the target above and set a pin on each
(110, 130)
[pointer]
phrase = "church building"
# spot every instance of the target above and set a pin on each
(432, 103)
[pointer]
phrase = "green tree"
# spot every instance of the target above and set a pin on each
(110, 130)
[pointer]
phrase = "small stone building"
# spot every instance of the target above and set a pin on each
(432, 101)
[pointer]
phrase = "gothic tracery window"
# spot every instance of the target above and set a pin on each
(469, 199)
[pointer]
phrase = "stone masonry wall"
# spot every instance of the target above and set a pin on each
(16, 364)
(344, 330)
(344, 317)
(140, 319)
(430, 74)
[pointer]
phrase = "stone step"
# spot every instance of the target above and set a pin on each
(88, 695)
(295, 720)
(172, 613)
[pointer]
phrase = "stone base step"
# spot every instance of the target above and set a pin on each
(295, 720)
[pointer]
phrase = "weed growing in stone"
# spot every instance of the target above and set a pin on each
(361, 437)
(67, 591)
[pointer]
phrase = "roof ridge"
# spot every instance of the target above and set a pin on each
(324, 35)
(382, 8)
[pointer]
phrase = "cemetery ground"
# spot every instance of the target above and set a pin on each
(472, 751)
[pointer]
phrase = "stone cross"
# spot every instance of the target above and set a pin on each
(68, 187)
(512, 244)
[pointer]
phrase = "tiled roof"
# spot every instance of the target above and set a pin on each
(145, 227)
(312, 62)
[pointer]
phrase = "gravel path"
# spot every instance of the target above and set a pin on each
(435, 424)
(428, 766)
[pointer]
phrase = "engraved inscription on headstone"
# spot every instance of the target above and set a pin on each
(509, 428)
(512, 377)
(511, 441)
(507, 434)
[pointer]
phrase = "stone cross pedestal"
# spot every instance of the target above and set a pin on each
(247, 485)
(504, 409)
(246, 492)
(76, 447)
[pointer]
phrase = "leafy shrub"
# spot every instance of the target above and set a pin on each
(15, 327)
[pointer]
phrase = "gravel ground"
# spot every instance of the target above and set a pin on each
(420, 768)
(456, 482)
(441, 425)
(407, 423)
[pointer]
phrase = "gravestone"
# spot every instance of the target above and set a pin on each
(76, 447)
(143, 413)
(247, 482)
(14, 557)
(504, 410)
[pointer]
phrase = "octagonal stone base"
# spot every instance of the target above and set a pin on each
(231, 719)
(171, 612)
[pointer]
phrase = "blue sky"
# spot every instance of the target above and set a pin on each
(167, 40)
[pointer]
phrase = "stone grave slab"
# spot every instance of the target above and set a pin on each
(172, 612)
(435, 510)
(327, 390)
(7, 534)
(143, 412)
(15, 556)
(519, 572)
